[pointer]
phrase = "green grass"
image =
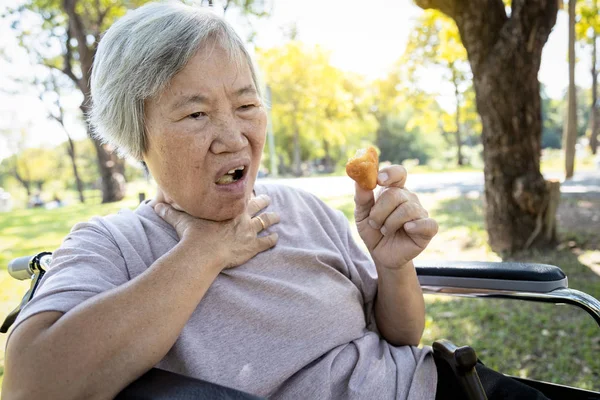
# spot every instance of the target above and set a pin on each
(540, 341)
(547, 342)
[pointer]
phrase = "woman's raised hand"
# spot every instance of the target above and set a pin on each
(234, 241)
(395, 226)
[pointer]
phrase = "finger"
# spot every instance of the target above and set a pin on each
(169, 214)
(421, 231)
(363, 200)
(404, 213)
(392, 176)
(386, 203)
(258, 203)
(267, 242)
(159, 198)
(268, 219)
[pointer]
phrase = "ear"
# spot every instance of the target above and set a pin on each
(145, 167)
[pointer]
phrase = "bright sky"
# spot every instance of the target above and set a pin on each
(364, 36)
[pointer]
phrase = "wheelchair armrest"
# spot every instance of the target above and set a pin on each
(510, 276)
(461, 362)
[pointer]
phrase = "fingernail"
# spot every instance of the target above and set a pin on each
(373, 224)
(409, 226)
(383, 230)
(382, 177)
(159, 208)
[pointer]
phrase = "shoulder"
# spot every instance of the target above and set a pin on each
(106, 225)
(290, 195)
(293, 200)
(126, 227)
(129, 239)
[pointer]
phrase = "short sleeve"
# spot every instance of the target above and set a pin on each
(87, 263)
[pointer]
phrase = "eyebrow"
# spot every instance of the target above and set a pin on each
(245, 90)
(199, 99)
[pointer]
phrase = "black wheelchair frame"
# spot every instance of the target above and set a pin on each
(504, 280)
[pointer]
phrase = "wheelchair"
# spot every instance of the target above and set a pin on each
(502, 280)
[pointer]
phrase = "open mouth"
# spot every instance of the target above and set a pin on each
(232, 176)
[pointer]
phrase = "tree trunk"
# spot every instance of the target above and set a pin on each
(26, 184)
(328, 161)
(505, 54)
(515, 190)
(25, 181)
(457, 135)
(570, 132)
(297, 160)
(71, 151)
(109, 166)
(595, 109)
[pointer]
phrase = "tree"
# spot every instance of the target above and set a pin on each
(410, 120)
(552, 120)
(435, 42)
(504, 52)
(56, 112)
(399, 141)
(570, 136)
(318, 112)
(553, 116)
(587, 32)
(33, 168)
(64, 37)
(66, 40)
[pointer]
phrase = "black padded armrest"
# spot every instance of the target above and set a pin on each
(512, 276)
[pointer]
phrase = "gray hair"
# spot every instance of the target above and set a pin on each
(137, 58)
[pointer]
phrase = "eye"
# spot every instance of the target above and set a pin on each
(196, 115)
(247, 107)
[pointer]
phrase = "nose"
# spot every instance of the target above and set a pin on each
(229, 136)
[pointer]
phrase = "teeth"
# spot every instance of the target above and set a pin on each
(225, 179)
(228, 177)
(236, 169)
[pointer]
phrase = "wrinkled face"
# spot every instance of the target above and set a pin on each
(205, 135)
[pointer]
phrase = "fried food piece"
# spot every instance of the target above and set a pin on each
(363, 168)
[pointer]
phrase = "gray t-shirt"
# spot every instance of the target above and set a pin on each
(294, 322)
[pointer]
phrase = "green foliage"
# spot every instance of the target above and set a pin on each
(434, 44)
(553, 114)
(552, 121)
(398, 142)
(588, 23)
(64, 37)
(35, 166)
(42, 28)
(51, 169)
(436, 41)
(326, 108)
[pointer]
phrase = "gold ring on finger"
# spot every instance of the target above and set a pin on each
(261, 222)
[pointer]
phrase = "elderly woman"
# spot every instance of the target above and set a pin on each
(255, 287)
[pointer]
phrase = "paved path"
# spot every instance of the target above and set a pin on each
(452, 183)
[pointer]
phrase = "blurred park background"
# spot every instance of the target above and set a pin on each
(500, 140)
